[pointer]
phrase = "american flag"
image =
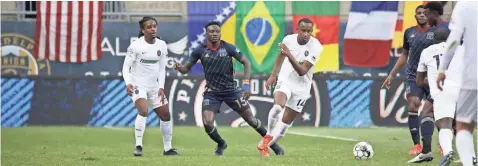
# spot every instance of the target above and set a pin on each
(68, 31)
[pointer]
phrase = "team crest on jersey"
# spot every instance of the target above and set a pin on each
(159, 52)
(222, 52)
(306, 53)
(430, 35)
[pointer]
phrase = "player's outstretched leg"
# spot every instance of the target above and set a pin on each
(166, 129)
(279, 131)
(140, 124)
(256, 124)
(208, 118)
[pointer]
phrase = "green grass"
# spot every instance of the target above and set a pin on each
(114, 146)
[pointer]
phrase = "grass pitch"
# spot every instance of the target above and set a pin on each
(72, 146)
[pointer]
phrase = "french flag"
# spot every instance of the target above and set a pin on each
(369, 33)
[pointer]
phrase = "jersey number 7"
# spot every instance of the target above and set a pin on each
(437, 58)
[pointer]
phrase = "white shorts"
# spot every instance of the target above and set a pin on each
(444, 103)
(149, 94)
(295, 100)
(466, 106)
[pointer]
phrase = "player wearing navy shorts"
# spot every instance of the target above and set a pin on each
(415, 39)
(216, 57)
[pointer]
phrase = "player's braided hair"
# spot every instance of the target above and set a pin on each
(142, 21)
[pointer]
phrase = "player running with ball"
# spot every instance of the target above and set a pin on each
(144, 72)
(294, 83)
(216, 57)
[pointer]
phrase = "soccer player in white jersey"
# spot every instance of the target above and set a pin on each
(294, 83)
(144, 72)
(444, 101)
(463, 25)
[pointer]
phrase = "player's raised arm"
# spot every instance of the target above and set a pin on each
(421, 70)
(300, 69)
(193, 58)
(457, 29)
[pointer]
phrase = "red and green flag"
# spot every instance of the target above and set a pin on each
(325, 16)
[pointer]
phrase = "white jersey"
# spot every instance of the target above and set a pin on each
(145, 64)
(431, 58)
(309, 52)
(463, 24)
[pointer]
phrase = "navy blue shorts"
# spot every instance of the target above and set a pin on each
(212, 101)
(420, 92)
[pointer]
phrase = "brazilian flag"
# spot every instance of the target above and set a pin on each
(259, 28)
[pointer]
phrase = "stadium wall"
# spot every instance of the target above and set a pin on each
(114, 44)
(338, 101)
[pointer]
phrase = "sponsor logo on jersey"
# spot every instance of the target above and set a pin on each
(148, 61)
(18, 59)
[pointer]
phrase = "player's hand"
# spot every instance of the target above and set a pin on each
(129, 89)
(246, 89)
(176, 66)
(270, 82)
(161, 95)
(387, 82)
(284, 49)
(441, 80)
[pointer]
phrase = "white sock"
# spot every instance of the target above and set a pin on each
(463, 141)
(167, 131)
(445, 137)
(278, 132)
(273, 117)
(139, 127)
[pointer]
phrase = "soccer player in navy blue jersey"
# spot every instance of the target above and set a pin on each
(415, 39)
(216, 57)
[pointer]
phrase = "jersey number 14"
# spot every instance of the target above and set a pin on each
(301, 102)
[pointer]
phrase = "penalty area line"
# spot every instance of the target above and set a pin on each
(322, 136)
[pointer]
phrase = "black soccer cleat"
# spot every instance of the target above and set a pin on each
(138, 151)
(277, 150)
(171, 152)
(474, 160)
(220, 149)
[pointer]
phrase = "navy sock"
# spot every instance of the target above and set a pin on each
(213, 134)
(413, 125)
(263, 131)
(427, 127)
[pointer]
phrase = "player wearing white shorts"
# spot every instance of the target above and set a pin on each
(463, 25)
(294, 82)
(144, 72)
(444, 101)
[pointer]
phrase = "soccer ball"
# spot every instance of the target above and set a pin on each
(363, 151)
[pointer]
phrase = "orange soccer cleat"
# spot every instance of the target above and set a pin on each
(264, 146)
(417, 149)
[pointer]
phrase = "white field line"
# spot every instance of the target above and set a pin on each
(321, 136)
(289, 132)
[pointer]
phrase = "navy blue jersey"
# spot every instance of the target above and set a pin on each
(218, 66)
(415, 41)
